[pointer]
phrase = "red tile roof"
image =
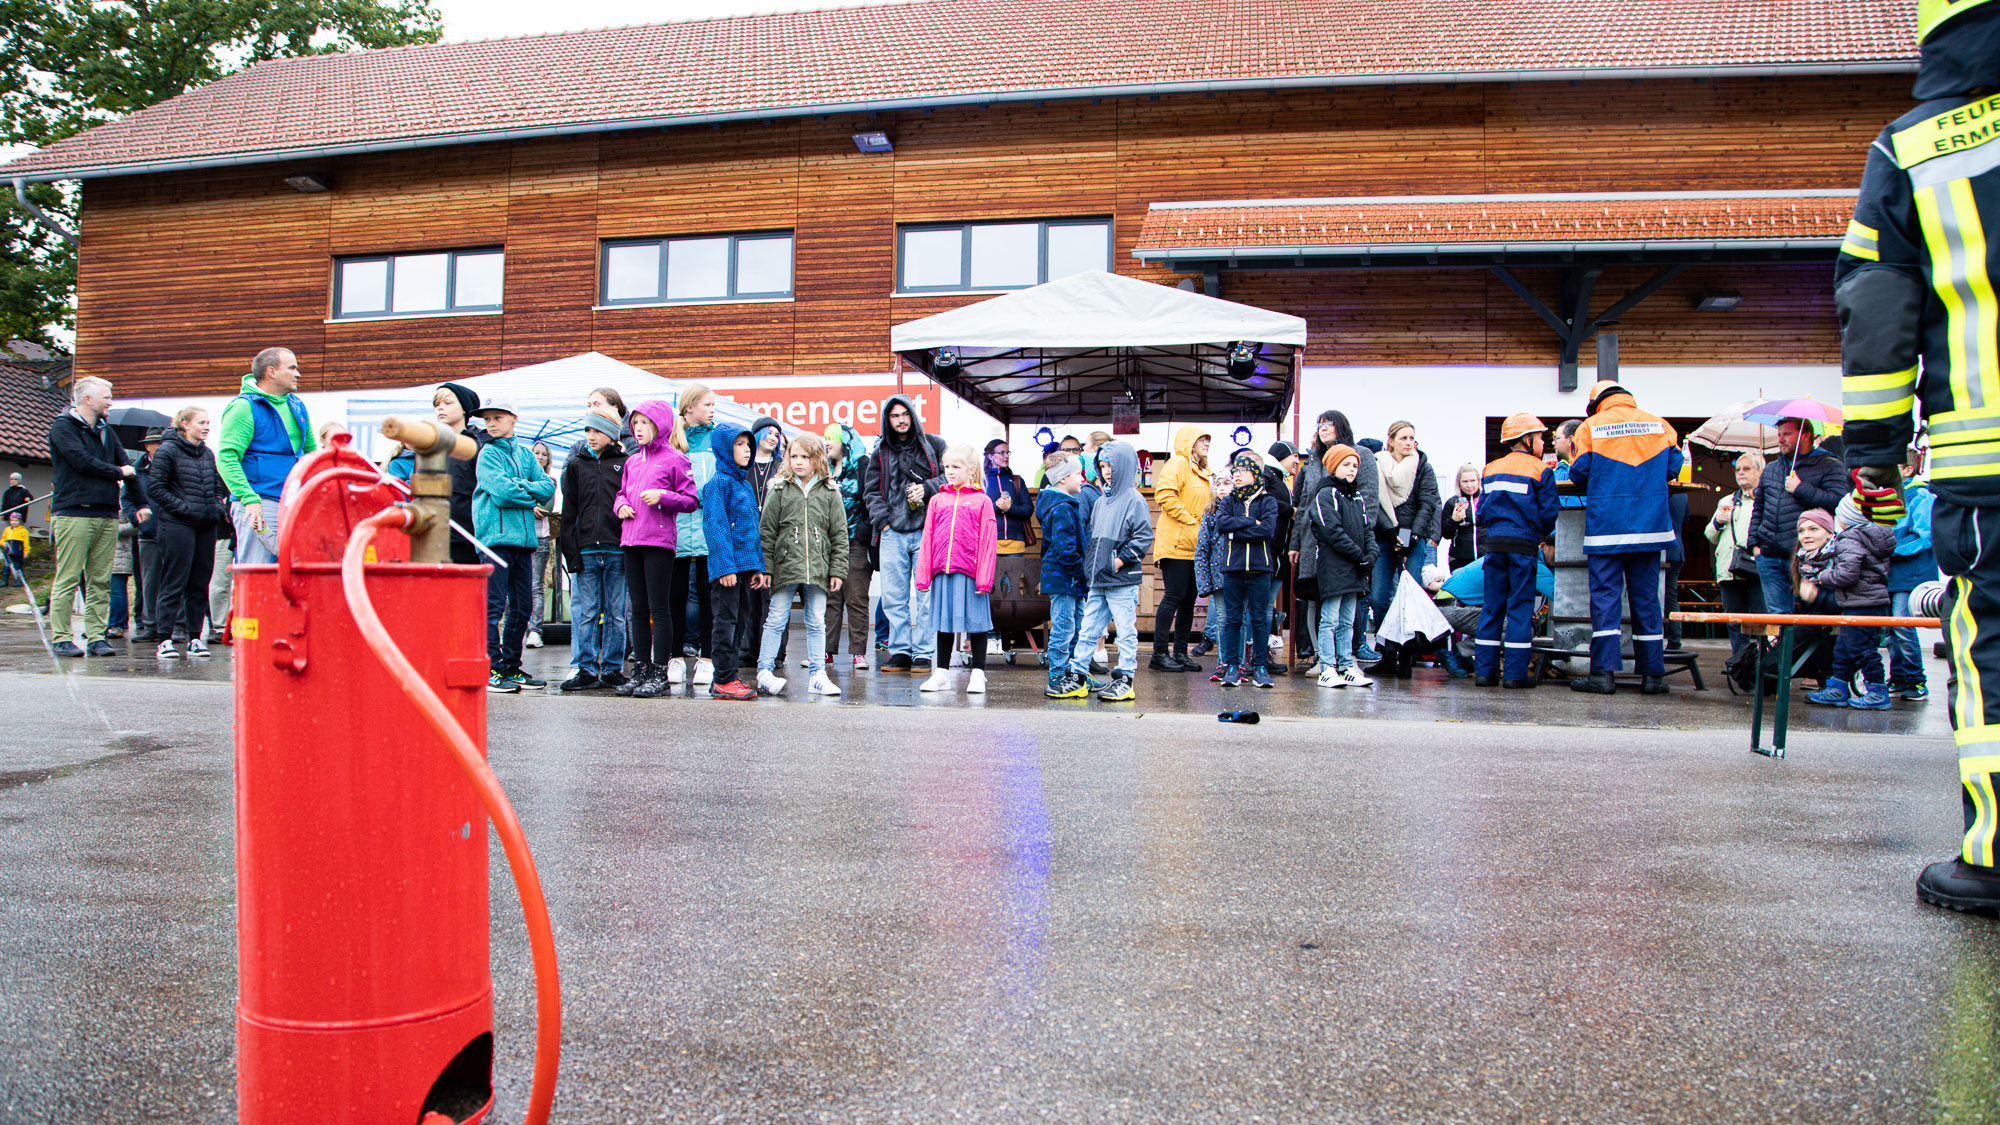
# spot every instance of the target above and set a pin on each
(937, 51)
(27, 408)
(1659, 220)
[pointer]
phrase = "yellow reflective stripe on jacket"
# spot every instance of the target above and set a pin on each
(1972, 459)
(1861, 241)
(1957, 245)
(1960, 426)
(1871, 398)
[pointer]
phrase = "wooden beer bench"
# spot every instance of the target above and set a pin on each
(1766, 626)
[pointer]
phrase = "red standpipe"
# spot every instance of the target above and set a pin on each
(365, 993)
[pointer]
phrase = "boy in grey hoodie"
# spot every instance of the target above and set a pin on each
(1121, 532)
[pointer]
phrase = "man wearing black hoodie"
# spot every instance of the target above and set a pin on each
(901, 476)
(1913, 287)
(90, 469)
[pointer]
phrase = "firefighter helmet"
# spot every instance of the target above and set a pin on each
(1518, 426)
(1932, 13)
(1603, 389)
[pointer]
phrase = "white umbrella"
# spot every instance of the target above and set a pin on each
(1730, 430)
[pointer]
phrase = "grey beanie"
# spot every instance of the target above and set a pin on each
(594, 421)
(1063, 470)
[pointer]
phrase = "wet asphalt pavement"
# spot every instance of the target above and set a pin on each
(1425, 903)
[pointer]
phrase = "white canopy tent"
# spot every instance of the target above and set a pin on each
(1097, 344)
(548, 396)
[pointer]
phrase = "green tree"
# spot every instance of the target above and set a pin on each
(66, 65)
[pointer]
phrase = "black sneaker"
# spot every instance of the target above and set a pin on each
(66, 647)
(522, 679)
(101, 647)
(899, 663)
(499, 684)
(1957, 885)
(582, 681)
(920, 666)
(613, 679)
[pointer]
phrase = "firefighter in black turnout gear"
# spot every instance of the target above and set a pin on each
(1920, 327)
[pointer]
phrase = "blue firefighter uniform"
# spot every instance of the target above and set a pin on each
(1625, 458)
(1517, 510)
(1920, 330)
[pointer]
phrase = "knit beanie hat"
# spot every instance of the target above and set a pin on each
(1819, 516)
(1848, 514)
(468, 399)
(1335, 454)
(1063, 470)
(604, 424)
(1246, 459)
(1282, 449)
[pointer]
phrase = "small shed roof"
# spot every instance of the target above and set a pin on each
(1096, 344)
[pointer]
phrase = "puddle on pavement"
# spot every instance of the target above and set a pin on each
(131, 744)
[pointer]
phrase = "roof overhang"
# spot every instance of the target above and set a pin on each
(32, 173)
(1485, 230)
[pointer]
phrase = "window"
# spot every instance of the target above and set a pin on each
(1007, 255)
(418, 284)
(722, 267)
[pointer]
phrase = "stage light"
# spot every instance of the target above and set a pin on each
(944, 362)
(1242, 436)
(1243, 359)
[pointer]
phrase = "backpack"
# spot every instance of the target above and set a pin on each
(1811, 642)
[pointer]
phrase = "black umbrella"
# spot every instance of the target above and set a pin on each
(132, 422)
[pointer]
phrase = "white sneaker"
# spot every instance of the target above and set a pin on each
(1331, 678)
(533, 640)
(197, 648)
(704, 671)
(822, 684)
(975, 684)
(1357, 678)
(940, 681)
(166, 650)
(677, 670)
(769, 683)
(1320, 669)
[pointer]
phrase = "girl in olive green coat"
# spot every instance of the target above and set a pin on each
(804, 528)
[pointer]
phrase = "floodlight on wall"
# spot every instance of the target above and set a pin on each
(873, 142)
(1718, 300)
(307, 183)
(1243, 359)
(944, 362)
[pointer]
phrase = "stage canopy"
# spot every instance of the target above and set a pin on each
(1097, 345)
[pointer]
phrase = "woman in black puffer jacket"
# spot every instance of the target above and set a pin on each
(189, 499)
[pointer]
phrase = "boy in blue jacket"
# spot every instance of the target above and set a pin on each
(1248, 519)
(1060, 513)
(729, 519)
(1517, 510)
(511, 484)
(1625, 460)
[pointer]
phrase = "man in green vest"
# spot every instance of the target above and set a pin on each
(263, 434)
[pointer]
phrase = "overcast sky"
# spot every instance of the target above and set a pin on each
(490, 19)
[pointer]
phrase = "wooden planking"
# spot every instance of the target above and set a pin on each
(552, 210)
(184, 278)
(1006, 161)
(423, 199)
(263, 250)
(698, 179)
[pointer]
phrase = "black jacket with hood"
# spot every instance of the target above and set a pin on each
(185, 484)
(901, 460)
(590, 484)
(762, 472)
(1338, 518)
(89, 463)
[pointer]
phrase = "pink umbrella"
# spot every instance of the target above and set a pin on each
(1770, 411)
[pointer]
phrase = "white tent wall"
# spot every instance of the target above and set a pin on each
(1449, 405)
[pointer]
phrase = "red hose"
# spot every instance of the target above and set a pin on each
(534, 907)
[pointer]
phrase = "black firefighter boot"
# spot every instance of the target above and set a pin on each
(1597, 683)
(1957, 885)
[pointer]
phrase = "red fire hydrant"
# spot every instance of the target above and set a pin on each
(365, 994)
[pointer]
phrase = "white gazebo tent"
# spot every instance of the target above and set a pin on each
(1096, 344)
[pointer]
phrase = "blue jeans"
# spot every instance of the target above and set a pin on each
(252, 546)
(1854, 648)
(1336, 630)
(119, 607)
(908, 608)
(1064, 609)
(598, 607)
(1776, 575)
(1218, 616)
(779, 618)
(1249, 598)
(1906, 656)
(1118, 605)
(1385, 579)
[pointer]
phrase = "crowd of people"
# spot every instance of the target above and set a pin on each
(687, 540)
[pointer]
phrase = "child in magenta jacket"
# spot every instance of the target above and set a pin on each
(658, 486)
(956, 561)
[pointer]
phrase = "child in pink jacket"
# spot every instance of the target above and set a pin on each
(955, 562)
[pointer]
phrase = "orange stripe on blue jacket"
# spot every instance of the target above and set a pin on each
(1625, 458)
(1517, 498)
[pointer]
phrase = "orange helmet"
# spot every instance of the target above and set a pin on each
(1518, 426)
(1603, 389)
